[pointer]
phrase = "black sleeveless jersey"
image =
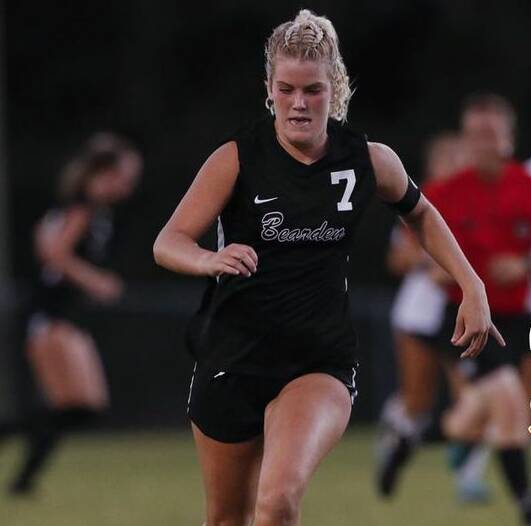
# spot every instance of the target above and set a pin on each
(292, 314)
(55, 295)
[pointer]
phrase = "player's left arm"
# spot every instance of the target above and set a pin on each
(394, 187)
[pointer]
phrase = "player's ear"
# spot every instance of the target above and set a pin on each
(268, 87)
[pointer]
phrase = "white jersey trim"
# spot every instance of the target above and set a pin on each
(221, 238)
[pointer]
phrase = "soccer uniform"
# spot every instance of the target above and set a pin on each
(55, 296)
(490, 219)
(419, 305)
(252, 335)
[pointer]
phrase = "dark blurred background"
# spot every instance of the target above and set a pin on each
(178, 78)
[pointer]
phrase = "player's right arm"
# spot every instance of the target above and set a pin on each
(55, 240)
(176, 246)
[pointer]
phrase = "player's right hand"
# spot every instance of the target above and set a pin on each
(234, 259)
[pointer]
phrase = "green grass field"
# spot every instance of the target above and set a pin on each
(153, 480)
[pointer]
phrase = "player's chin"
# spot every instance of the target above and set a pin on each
(301, 137)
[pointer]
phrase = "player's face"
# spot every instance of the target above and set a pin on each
(115, 185)
(446, 158)
(127, 176)
(301, 93)
(488, 137)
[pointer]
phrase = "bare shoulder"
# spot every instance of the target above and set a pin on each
(219, 170)
(390, 174)
(74, 217)
(208, 194)
(56, 234)
(218, 174)
(224, 158)
(383, 157)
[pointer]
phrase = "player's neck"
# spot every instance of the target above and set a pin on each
(306, 153)
(491, 171)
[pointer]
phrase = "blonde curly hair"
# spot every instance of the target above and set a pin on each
(311, 37)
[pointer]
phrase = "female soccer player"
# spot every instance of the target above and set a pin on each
(71, 244)
(276, 354)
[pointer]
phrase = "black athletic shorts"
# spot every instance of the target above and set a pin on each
(230, 407)
(514, 329)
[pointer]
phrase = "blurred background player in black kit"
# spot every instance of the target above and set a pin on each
(418, 309)
(488, 207)
(416, 319)
(71, 243)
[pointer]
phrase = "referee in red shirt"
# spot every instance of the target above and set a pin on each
(488, 208)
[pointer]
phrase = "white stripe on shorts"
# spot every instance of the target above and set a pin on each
(354, 390)
(191, 385)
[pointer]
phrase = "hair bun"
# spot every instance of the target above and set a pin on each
(312, 37)
(304, 30)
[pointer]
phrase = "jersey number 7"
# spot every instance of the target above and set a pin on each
(345, 205)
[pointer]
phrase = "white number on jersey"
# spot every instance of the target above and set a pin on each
(345, 205)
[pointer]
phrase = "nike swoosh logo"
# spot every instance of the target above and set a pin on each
(258, 201)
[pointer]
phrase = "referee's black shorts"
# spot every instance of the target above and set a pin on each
(514, 329)
(230, 406)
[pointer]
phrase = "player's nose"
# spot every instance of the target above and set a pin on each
(299, 102)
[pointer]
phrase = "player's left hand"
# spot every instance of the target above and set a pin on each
(507, 269)
(474, 325)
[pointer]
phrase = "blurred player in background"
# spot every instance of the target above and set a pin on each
(488, 207)
(493, 224)
(276, 353)
(71, 243)
(416, 318)
(418, 310)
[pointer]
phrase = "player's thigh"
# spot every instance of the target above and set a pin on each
(302, 424)
(68, 367)
(419, 372)
(525, 373)
(230, 477)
